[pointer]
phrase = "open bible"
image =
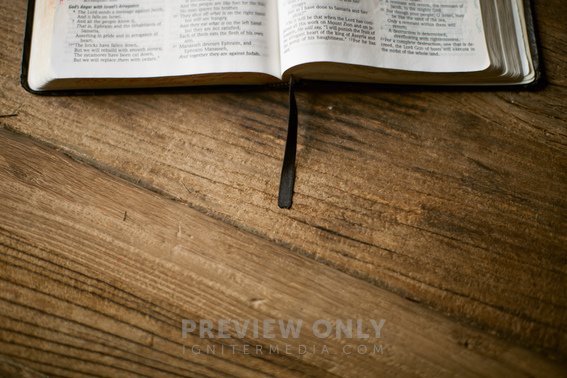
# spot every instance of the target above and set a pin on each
(89, 44)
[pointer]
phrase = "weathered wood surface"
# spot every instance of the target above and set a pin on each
(98, 275)
(453, 199)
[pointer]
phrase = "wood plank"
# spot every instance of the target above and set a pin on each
(97, 275)
(454, 199)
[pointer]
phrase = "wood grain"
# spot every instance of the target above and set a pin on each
(98, 275)
(451, 198)
(12, 369)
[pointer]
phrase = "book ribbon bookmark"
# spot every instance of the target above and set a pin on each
(287, 179)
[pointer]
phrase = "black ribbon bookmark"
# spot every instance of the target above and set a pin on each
(287, 179)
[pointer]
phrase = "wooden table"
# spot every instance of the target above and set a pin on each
(443, 212)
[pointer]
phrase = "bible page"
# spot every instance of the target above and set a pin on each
(144, 38)
(412, 35)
